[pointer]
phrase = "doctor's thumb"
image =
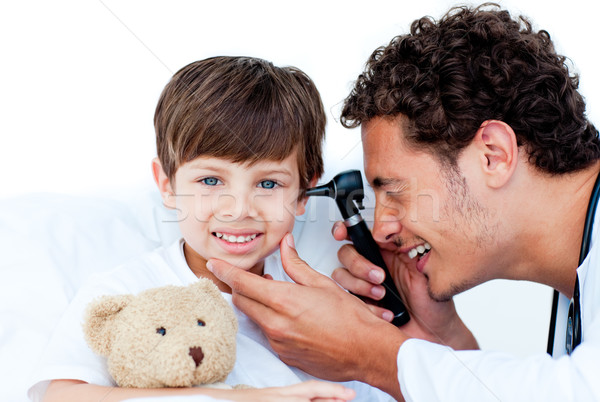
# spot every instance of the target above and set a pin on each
(289, 256)
(289, 239)
(221, 269)
(287, 248)
(294, 266)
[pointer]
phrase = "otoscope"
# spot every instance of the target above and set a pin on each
(345, 189)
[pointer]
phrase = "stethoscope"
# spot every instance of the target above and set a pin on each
(573, 337)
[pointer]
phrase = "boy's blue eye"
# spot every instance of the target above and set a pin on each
(210, 181)
(161, 331)
(268, 184)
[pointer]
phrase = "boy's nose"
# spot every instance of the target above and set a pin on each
(235, 206)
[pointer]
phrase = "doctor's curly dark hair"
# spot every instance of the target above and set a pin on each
(473, 65)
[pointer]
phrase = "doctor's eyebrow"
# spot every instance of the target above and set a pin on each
(380, 182)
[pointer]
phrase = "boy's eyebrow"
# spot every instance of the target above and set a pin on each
(276, 171)
(204, 165)
(266, 170)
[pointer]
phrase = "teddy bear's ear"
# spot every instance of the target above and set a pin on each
(99, 317)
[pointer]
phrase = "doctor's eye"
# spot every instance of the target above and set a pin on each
(268, 184)
(161, 331)
(210, 181)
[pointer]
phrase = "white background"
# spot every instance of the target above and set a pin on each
(79, 81)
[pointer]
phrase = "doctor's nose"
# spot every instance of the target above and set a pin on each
(386, 225)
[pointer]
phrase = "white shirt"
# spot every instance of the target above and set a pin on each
(68, 356)
(431, 372)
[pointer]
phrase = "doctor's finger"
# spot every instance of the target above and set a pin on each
(359, 266)
(369, 292)
(356, 285)
(297, 268)
(263, 315)
(245, 283)
(339, 231)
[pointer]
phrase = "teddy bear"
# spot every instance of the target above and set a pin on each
(170, 336)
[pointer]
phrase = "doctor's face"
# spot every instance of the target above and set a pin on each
(426, 210)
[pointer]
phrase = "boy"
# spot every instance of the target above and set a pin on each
(239, 141)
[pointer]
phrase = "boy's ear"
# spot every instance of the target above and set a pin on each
(496, 143)
(301, 207)
(163, 183)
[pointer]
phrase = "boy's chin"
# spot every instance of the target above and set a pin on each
(246, 264)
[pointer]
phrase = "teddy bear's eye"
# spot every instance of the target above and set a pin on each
(201, 323)
(161, 331)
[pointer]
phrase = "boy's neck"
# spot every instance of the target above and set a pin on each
(198, 266)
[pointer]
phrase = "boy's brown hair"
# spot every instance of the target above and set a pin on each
(243, 109)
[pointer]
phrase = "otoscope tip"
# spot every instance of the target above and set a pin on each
(319, 191)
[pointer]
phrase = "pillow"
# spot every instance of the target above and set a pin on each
(50, 244)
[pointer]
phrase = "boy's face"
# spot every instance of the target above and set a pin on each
(234, 211)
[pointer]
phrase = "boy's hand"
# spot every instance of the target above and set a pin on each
(309, 391)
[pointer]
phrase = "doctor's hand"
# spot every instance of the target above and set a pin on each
(430, 320)
(315, 325)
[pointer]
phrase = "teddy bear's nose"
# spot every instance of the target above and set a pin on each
(197, 355)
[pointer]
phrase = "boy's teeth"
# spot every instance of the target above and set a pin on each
(234, 238)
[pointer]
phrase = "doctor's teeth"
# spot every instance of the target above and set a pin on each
(420, 250)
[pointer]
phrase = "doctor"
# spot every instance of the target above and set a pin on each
(482, 161)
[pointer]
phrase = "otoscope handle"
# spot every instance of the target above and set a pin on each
(368, 248)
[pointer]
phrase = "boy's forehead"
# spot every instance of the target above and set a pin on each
(288, 164)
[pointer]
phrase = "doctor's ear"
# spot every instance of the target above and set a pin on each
(163, 183)
(499, 153)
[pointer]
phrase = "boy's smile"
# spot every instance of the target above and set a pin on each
(237, 243)
(236, 212)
